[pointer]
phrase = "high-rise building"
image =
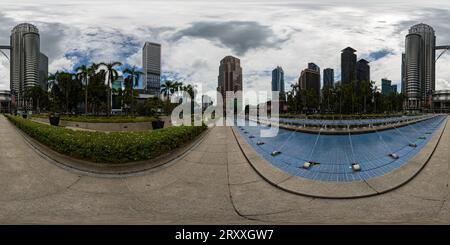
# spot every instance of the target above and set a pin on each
(386, 86)
(348, 65)
(278, 79)
(25, 54)
(313, 66)
(230, 79)
(413, 73)
(151, 62)
(419, 65)
(428, 56)
(362, 70)
(328, 77)
(43, 71)
(309, 80)
(403, 75)
(394, 88)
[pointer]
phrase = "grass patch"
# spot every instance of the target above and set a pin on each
(100, 119)
(115, 147)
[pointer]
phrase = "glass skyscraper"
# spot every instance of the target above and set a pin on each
(419, 65)
(25, 55)
(278, 79)
(328, 77)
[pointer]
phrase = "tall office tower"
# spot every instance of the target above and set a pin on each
(428, 56)
(230, 79)
(278, 79)
(394, 88)
(309, 80)
(313, 67)
(151, 62)
(362, 70)
(348, 65)
(386, 86)
(413, 65)
(328, 77)
(25, 54)
(43, 71)
(403, 75)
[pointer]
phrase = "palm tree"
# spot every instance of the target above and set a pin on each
(82, 75)
(112, 75)
(52, 79)
(134, 76)
(167, 88)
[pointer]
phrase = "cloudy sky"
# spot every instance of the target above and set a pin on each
(195, 35)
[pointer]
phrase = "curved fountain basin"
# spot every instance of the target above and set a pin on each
(348, 123)
(335, 154)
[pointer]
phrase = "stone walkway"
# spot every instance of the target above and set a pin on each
(213, 184)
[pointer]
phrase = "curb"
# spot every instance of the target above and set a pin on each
(109, 170)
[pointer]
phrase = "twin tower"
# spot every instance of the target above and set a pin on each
(419, 66)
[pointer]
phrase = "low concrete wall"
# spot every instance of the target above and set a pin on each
(109, 127)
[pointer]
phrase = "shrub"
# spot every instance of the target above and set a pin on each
(101, 119)
(115, 147)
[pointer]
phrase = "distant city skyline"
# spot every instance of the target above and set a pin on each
(198, 37)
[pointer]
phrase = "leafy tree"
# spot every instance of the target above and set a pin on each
(111, 75)
(132, 81)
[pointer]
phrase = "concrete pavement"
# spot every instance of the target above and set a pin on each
(212, 184)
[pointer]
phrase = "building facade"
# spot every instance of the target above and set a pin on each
(348, 65)
(441, 101)
(25, 55)
(386, 86)
(362, 70)
(403, 75)
(419, 66)
(230, 79)
(278, 79)
(428, 57)
(394, 88)
(313, 66)
(43, 71)
(413, 66)
(151, 63)
(328, 77)
(310, 81)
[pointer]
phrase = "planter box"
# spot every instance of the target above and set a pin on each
(54, 120)
(157, 124)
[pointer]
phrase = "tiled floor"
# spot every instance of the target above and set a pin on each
(334, 154)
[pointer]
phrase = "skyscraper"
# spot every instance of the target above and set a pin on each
(394, 88)
(403, 75)
(309, 80)
(278, 79)
(43, 71)
(413, 71)
(419, 65)
(386, 86)
(25, 54)
(428, 56)
(230, 79)
(328, 77)
(313, 66)
(151, 62)
(362, 70)
(348, 65)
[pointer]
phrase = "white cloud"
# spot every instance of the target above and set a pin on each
(306, 32)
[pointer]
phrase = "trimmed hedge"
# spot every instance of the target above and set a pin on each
(115, 147)
(100, 119)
